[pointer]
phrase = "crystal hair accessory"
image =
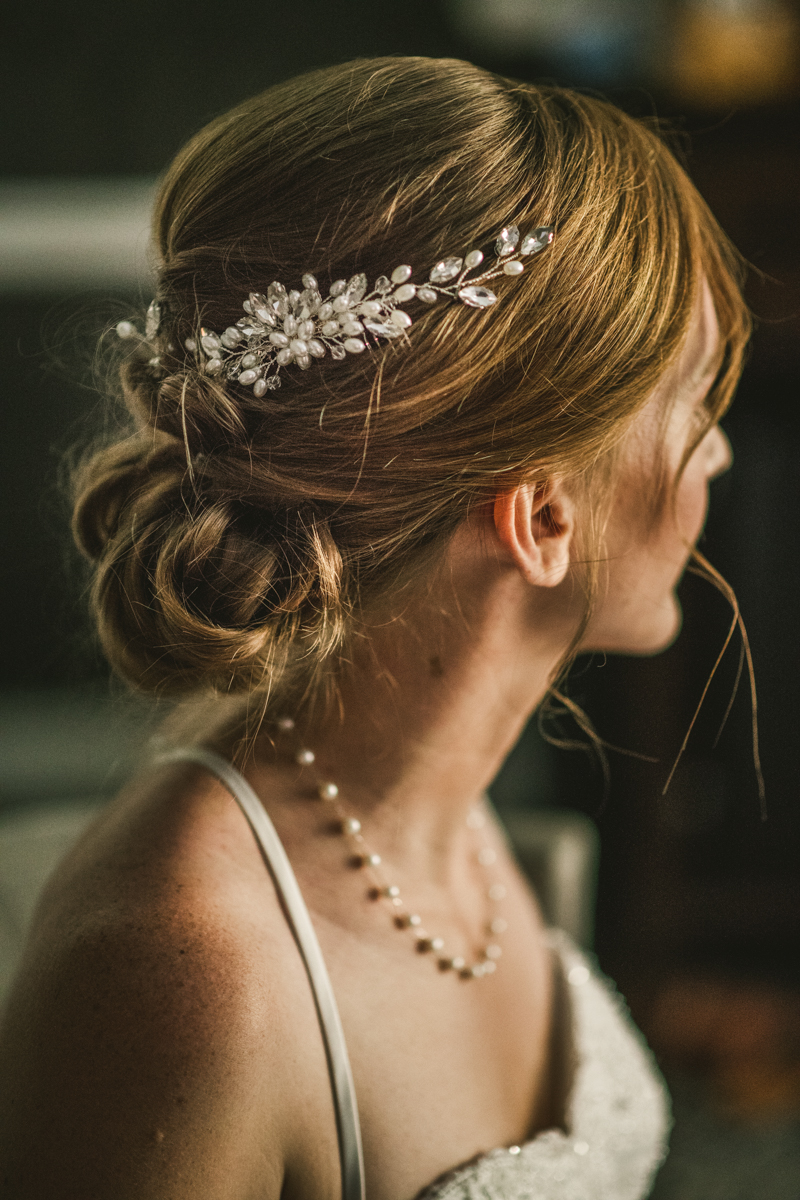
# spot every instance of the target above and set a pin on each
(282, 327)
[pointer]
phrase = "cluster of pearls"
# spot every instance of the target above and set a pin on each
(381, 889)
(294, 327)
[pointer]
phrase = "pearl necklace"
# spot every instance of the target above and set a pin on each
(381, 889)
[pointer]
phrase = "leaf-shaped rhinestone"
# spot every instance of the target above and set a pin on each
(277, 300)
(477, 296)
(381, 328)
(152, 321)
(445, 270)
(507, 240)
(355, 290)
(536, 241)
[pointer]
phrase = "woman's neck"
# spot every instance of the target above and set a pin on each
(426, 710)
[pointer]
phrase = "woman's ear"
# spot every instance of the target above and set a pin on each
(535, 525)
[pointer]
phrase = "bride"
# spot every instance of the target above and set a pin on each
(426, 404)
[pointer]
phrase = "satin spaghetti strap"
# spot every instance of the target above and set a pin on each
(294, 906)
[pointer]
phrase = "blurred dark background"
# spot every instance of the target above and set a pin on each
(698, 905)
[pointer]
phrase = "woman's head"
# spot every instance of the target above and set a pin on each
(239, 538)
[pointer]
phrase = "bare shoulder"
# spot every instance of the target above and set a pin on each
(160, 1040)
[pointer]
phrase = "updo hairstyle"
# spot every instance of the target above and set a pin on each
(237, 540)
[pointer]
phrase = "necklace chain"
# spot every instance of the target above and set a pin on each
(382, 890)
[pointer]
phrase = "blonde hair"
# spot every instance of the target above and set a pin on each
(237, 539)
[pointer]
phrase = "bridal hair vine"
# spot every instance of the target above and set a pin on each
(283, 327)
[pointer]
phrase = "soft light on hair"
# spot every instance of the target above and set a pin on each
(237, 539)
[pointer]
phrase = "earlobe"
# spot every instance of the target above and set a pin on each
(535, 525)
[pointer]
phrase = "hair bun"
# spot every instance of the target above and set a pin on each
(193, 590)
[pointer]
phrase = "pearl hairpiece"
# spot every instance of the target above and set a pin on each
(283, 327)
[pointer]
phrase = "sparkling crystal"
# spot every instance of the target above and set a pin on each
(445, 270)
(381, 329)
(356, 287)
(310, 283)
(427, 295)
(515, 267)
(536, 241)
(338, 352)
(246, 327)
(309, 303)
(247, 308)
(401, 274)
(259, 307)
(473, 259)
(273, 382)
(354, 345)
(277, 300)
(507, 240)
(383, 285)
(152, 320)
(477, 297)
(338, 287)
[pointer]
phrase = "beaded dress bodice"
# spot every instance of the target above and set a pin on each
(617, 1117)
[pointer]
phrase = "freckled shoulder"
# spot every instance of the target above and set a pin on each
(161, 1039)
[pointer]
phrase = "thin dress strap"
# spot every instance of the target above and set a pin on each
(294, 906)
